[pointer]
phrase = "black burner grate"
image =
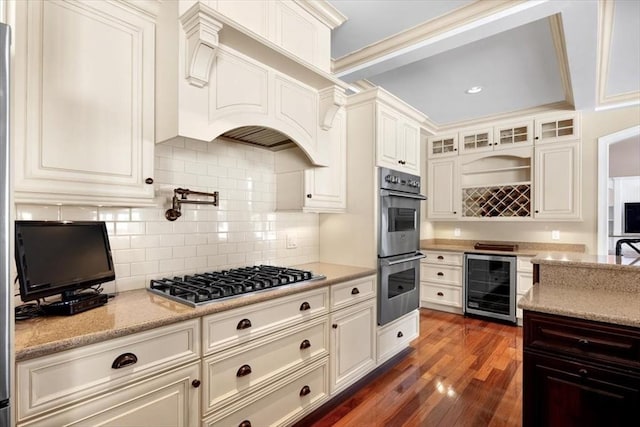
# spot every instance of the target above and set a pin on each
(202, 288)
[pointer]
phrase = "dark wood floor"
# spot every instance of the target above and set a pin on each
(463, 372)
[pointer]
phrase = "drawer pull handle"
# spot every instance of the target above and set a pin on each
(245, 423)
(124, 360)
(583, 341)
(400, 334)
(440, 256)
(334, 326)
(305, 306)
(243, 371)
(244, 324)
(583, 372)
(355, 291)
(440, 273)
(305, 344)
(195, 383)
(305, 390)
(440, 294)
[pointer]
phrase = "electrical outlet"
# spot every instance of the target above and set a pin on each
(456, 232)
(292, 242)
(555, 235)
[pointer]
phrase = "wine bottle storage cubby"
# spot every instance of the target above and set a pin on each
(497, 201)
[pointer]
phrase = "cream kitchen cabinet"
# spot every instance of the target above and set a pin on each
(83, 102)
(353, 332)
(396, 336)
(170, 399)
(476, 140)
(442, 145)
(557, 128)
(441, 281)
(397, 141)
(513, 134)
(115, 382)
(443, 189)
(557, 184)
(276, 350)
(315, 189)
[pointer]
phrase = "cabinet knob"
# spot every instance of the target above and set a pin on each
(440, 257)
(124, 360)
(195, 383)
(305, 390)
(305, 306)
(305, 344)
(309, 196)
(400, 334)
(245, 423)
(536, 138)
(455, 212)
(440, 294)
(440, 273)
(334, 326)
(583, 372)
(455, 149)
(148, 181)
(355, 291)
(583, 341)
(243, 371)
(244, 324)
(537, 211)
(490, 144)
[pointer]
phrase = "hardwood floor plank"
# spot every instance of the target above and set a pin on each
(462, 372)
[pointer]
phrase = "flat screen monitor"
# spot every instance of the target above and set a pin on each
(632, 217)
(61, 257)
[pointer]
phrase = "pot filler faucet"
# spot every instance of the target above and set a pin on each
(174, 213)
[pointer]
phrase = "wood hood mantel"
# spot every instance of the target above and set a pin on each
(227, 76)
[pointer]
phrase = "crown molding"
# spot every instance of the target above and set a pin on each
(557, 35)
(606, 9)
(323, 11)
(426, 30)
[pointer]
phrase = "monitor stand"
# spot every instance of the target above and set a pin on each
(74, 303)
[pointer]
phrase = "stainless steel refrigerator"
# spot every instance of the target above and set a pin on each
(5, 281)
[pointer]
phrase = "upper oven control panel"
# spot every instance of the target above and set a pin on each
(400, 181)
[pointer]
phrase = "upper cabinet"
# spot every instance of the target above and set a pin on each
(83, 102)
(513, 134)
(398, 141)
(442, 145)
(556, 128)
(476, 141)
(558, 182)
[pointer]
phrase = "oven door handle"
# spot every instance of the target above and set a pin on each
(387, 193)
(400, 261)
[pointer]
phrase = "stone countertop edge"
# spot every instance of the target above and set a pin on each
(455, 248)
(606, 306)
(568, 259)
(140, 310)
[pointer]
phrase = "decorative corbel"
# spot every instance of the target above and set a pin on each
(331, 100)
(202, 42)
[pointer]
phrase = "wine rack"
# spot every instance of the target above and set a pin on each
(497, 201)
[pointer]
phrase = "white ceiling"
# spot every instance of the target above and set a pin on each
(525, 54)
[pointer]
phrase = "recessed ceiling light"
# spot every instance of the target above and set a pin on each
(474, 89)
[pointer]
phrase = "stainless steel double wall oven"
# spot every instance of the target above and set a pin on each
(398, 244)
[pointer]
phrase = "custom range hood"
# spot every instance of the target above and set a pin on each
(216, 78)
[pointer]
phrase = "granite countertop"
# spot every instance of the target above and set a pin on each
(140, 310)
(601, 288)
(530, 249)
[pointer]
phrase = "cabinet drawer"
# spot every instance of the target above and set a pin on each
(233, 374)
(441, 294)
(395, 336)
(168, 399)
(281, 403)
(525, 281)
(448, 258)
(524, 264)
(53, 381)
(441, 274)
(347, 293)
(582, 338)
(223, 330)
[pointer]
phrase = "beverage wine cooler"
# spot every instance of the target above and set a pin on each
(490, 286)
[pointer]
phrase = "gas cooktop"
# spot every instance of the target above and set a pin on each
(204, 288)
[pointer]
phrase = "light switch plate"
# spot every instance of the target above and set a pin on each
(292, 242)
(555, 235)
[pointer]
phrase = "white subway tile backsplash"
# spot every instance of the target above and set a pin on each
(243, 229)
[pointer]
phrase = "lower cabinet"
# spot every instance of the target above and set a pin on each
(170, 399)
(579, 373)
(353, 344)
(395, 336)
(441, 281)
